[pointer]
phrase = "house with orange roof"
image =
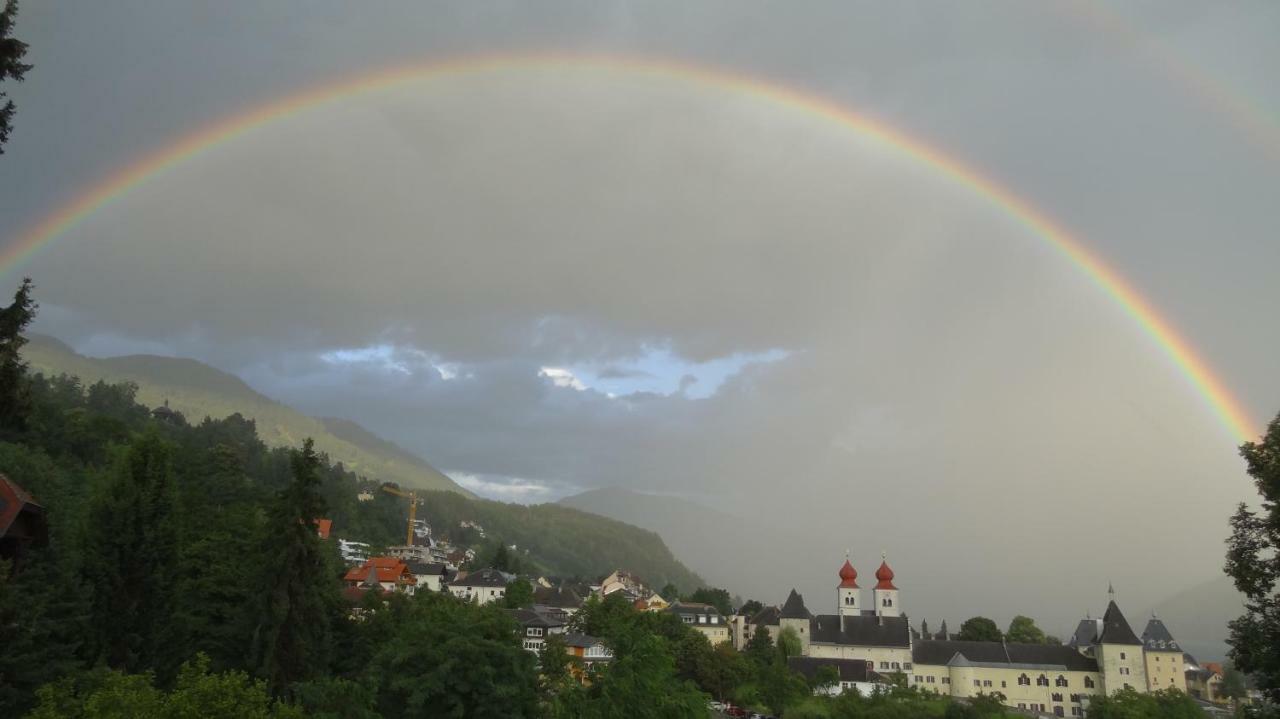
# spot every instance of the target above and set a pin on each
(386, 574)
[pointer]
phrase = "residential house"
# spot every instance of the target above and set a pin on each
(431, 576)
(353, 552)
(535, 627)
(622, 581)
(561, 600)
(705, 618)
(588, 650)
(1046, 678)
(323, 527)
(854, 675)
(386, 573)
(481, 586)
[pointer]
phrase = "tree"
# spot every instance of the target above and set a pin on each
(759, 650)
(519, 594)
(1129, 704)
(12, 51)
(130, 545)
(670, 592)
(1023, 630)
(1253, 562)
(718, 598)
(291, 641)
(640, 682)
(750, 608)
(789, 643)
(15, 390)
(824, 678)
(1234, 685)
(42, 624)
(979, 629)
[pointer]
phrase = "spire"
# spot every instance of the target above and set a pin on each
(1115, 628)
(794, 607)
(943, 631)
(1111, 591)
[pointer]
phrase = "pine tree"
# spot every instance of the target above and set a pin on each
(11, 53)
(130, 549)
(43, 616)
(15, 391)
(292, 639)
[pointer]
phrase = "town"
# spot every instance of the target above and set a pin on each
(864, 647)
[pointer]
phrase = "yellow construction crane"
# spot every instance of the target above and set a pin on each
(413, 508)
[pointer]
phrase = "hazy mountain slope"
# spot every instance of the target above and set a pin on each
(728, 550)
(198, 390)
(1198, 616)
(566, 542)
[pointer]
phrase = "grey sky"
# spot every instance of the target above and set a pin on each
(928, 378)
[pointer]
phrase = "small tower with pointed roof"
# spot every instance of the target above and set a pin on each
(1165, 665)
(847, 591)
(886, 594)
(796, 615)
(1119, 652)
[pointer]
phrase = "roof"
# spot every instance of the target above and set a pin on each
(849, 670)
(692, 608)
(884, 575)
(1156, 637)
(848, 576)
(487, 577)
(323, 527)
(862, 630)
(381, 569)
(1086, 633)
(429, 568)
(768, 615)
(582, 640)
(531, 618)
(794, 607)
(1115, 629)
(562, 597)
(1032, 656)
(13, 501)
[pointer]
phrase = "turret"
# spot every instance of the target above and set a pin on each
(795, 615)
(847, 592)
(886, 594)
(1119, 653)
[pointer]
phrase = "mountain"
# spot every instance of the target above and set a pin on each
(564, 541)
(1198, 616)
(197, 390)
(726, 549)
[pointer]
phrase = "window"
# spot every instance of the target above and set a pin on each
(929, 680)
(688, 618)
(1088, 682)
(1024, 680)
(919, 679)
(977, 683)
(906, 665)
(1003, 684)
(986, 682)
(1077, 712)
(1057, 697)
(1042, 681)
(1057, 711)
(1060, 681)
(702, 619)
(534, 631)
(1122, 655)
(895, 665)
(884, 665)
(946, 680)
(1075, 698)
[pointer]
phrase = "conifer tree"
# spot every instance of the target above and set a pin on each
(129, 550)
(15, 392)
(292, 637)
(42, 624)
(11, 66)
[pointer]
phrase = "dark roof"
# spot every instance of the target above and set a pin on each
(940, 653)
(581, 640)
(13, 501)
(562, 597)
(487, 577)
(862, 631)
(1086, 633)
(794, 607)
(768, 615)
(850, 670)
(1157, 638)
(427, 567)
(692, 608)
(1115, 629)
(530, 618)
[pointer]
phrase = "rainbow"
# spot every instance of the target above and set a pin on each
(1228, 410)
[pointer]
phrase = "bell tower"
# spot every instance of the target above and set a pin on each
(886, 594)
(847, 591)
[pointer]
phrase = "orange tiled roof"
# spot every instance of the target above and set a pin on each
(323, 527)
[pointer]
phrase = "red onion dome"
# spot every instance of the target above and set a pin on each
(884, 575)
(848, 576)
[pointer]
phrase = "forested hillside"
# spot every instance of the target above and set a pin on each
(198, 390)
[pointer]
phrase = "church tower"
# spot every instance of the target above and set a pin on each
(847, 592)
(1119, 653)
(886, 595)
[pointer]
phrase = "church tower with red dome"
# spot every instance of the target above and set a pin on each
(847, 592)
(886, 594)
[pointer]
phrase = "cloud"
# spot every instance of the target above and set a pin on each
(511, 489)
(562, 378)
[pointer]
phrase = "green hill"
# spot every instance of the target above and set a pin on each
(564, 541)
(198, 390)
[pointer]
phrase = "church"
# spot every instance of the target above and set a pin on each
(1103, 657)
